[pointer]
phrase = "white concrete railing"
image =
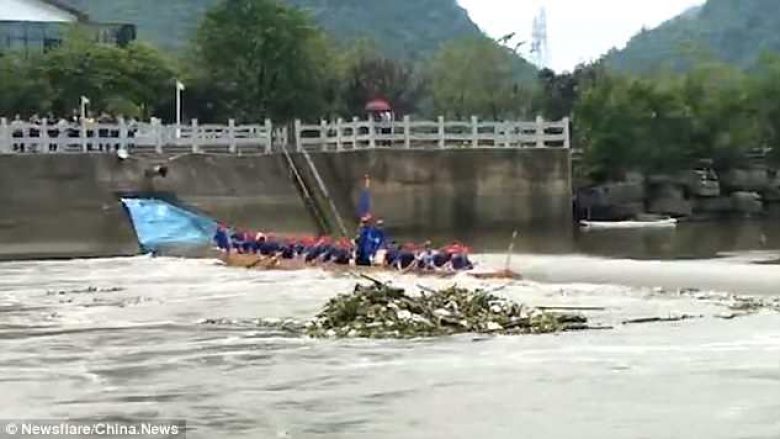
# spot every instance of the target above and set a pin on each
(23, 137)
(406, 134)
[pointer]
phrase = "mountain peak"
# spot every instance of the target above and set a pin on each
(733, 31)
(401, 28)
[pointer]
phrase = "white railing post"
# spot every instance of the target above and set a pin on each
(540, 132)
(298, 139)
(158, 135)
(123, 141)
(355, 133)
(232, 136)
(324, 135)
(339, 128)
(84, 134)
(43, 135)
(474, 132)
(371, 133)
(195, 136)
(441, 132)
(5, 137)
(407, 131)
(269, 135)
(566, 133)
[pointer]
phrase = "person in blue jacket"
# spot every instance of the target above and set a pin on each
(364, 243)
(377, 238)
(221, 238)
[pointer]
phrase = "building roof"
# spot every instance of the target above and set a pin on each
(40, 10)
(80, 15)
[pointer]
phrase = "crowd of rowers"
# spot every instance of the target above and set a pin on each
(370, 247)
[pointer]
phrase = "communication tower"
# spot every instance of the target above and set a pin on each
(540, 51)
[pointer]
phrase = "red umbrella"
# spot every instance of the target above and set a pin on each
(378, 105)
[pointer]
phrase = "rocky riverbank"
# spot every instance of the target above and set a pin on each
(699, 194)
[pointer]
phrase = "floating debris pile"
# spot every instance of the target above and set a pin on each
(381, 311)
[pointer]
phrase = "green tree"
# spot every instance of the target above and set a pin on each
(23, 90)
(478, 77)
(265, 59)
(764, 96)
(629, 124)
(134, 80)
(559, 93)
(366, 75)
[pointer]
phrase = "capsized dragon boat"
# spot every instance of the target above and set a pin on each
(163, 227)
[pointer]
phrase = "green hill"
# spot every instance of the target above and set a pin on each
(402, 28)
(733, 31)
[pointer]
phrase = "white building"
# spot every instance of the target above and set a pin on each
(48, 11)
(31, 26)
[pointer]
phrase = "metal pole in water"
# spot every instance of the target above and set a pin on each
(510, 251)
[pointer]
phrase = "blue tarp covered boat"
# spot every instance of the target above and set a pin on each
(161, 226)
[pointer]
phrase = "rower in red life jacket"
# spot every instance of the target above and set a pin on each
(342, 254)
(425, 258)
(406, 257)
(460, 258)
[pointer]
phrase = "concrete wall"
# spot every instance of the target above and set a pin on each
(67, 205)
(455, 190)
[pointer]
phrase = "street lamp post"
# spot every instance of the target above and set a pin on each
(179, 88)
(83, 106)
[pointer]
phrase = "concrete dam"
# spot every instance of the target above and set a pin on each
(68, 204)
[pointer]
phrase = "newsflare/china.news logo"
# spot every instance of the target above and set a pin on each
(42, 429)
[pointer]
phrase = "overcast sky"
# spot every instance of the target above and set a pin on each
(578, 30)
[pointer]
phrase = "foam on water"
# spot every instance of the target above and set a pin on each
(135, 348)
(735, 272)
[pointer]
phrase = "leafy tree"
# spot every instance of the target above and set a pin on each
(559, 93)
(23, 90)
(368, 75)
(478, 77)
(764, 96)
(266, 60)
(131, 81)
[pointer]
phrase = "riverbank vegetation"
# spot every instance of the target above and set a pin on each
(256, 59)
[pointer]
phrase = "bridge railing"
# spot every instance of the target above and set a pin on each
(407, 134)
(17, 137)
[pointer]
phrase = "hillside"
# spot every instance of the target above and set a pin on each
(402, 28)
(734, 31)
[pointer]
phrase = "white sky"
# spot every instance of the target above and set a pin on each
(577, 30)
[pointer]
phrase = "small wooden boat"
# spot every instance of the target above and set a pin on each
(662, 223)
(269, 263)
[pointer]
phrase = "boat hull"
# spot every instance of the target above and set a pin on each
(267, 263)
(669, 223)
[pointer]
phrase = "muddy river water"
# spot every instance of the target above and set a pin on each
(133, 347)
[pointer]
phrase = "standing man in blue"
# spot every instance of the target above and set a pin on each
(364, 239)
(377, 238)
(364, 243)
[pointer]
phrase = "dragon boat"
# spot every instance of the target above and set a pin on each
(270, 263)
(164, 227)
